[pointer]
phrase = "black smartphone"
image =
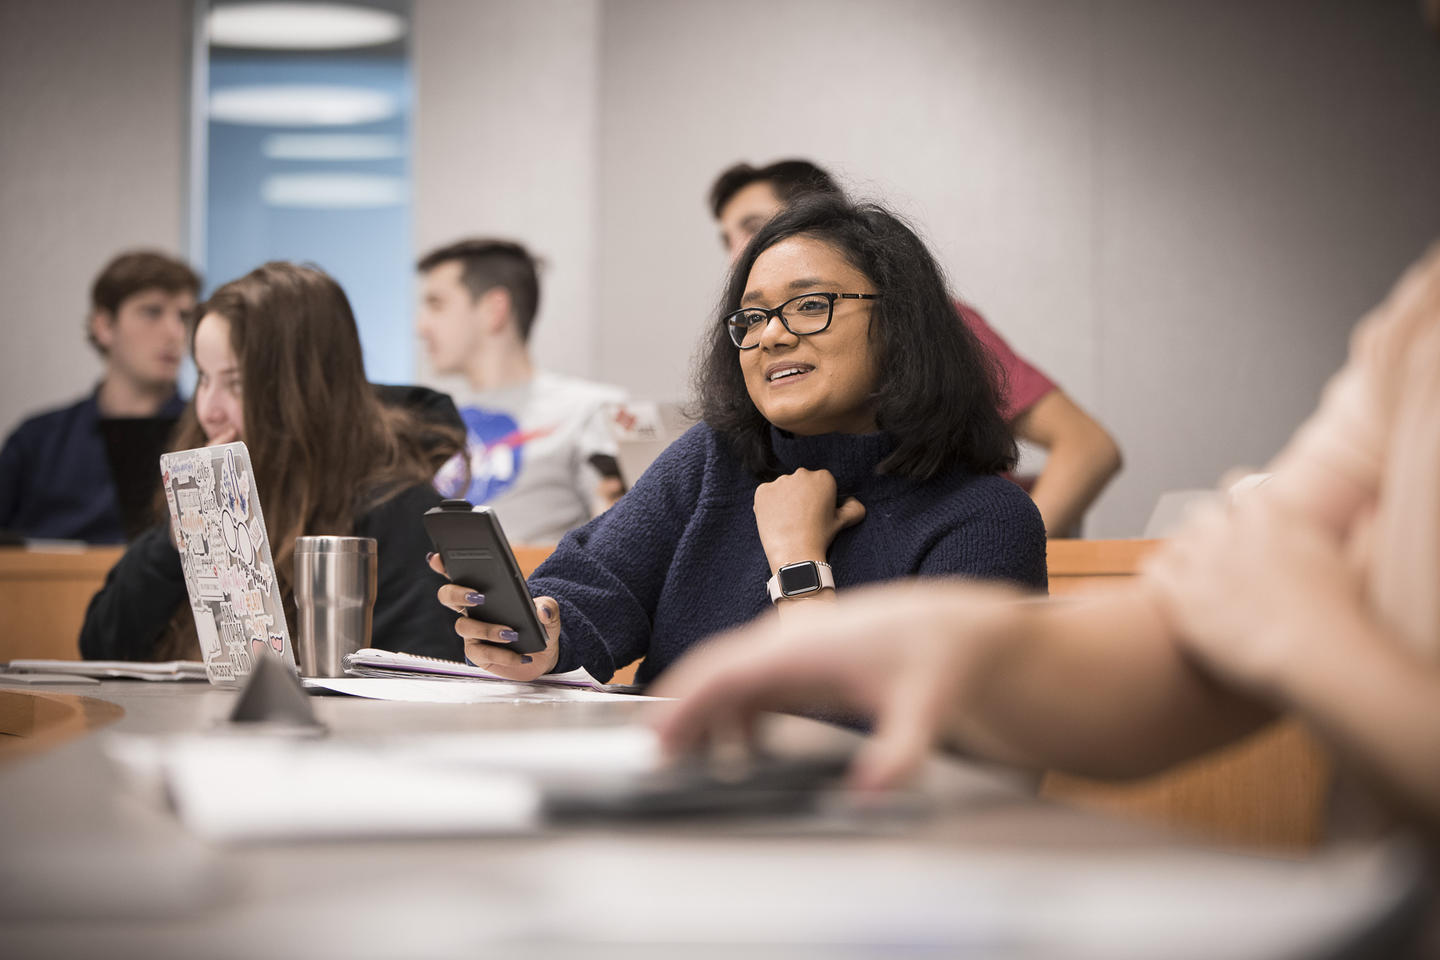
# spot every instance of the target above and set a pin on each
(606, 465)
(477, 556)
(769, 786)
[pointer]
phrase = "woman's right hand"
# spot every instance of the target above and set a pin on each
(486, 655)
(797, 517)
(903, 654)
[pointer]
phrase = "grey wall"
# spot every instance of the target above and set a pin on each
(1265, 171)
(93, 96)
(505, 138)
(1176, 209)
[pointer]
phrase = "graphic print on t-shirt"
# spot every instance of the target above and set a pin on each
(495, 448)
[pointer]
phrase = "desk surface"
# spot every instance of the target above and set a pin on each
(993, 871)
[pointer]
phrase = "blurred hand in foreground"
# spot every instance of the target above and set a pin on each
(894, 653)
(1251, 588)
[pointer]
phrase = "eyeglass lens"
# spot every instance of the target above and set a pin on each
(802, 315)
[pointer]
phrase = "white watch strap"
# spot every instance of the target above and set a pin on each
(826, 575)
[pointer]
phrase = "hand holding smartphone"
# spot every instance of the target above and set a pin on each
(477, 557)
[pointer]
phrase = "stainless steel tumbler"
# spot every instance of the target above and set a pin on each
(335, 585)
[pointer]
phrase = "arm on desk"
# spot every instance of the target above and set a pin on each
(127, 618)
(1091, 687)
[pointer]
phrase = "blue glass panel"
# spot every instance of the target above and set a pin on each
(363, 243)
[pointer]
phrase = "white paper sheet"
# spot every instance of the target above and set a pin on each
(238, 786)
(115, 669)
(250, 788)
(456, 691)
(598, 751)
(41, 678)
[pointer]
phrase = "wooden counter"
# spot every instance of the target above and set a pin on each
(43, 596)
(34, 720)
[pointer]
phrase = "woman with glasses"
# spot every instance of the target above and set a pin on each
(1315, 595)
(850, 435)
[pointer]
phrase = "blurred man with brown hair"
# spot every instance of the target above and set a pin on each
(55, 479)
(534, 439)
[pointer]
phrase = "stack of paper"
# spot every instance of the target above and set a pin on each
(114, 669)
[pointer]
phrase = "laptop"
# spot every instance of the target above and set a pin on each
(229, 573)
(132, 445)
(642, 430)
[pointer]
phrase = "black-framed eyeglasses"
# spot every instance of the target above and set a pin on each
(803, 315)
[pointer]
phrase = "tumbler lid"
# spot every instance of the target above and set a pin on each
(327, 544)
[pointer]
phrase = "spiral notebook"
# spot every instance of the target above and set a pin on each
(370, 662)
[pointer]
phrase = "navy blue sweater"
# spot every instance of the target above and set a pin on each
(679, 558)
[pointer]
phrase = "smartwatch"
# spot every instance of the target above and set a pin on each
(798, 579)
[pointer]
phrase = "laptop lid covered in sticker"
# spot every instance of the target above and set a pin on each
(217, 524)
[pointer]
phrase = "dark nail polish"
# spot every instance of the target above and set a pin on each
(508, 636)
(526, 658)
(474, 599)
(431, 556)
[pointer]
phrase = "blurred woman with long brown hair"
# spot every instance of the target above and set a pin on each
(280, 367)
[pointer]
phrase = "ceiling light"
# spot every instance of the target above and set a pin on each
(301, 105)
(331, 146)
(302, 26)
(332, 191)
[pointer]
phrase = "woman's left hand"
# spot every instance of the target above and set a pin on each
(1253, 587)
(797, 516)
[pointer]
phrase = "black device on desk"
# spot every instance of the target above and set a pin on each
(609, 468)
(766, 786)
(477, 556)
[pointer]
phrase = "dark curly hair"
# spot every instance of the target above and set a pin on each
(937, 394)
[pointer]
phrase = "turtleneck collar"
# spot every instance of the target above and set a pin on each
(850, 457)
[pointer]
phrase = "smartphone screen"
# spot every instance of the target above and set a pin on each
(477, 556)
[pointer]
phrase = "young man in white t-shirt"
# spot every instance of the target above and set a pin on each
(530, 434)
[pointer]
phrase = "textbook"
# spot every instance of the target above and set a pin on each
(114, 669)
(387, 663)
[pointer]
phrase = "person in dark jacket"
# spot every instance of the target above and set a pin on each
(55, 477)
(851, 434)
(280, 367)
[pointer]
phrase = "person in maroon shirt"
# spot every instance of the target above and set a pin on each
(1082, 456)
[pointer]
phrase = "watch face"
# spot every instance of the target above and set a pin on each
(799, 578)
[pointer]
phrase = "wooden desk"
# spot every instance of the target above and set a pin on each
(32, 721)
(93, 865)
(1079, 565)
(43, 596)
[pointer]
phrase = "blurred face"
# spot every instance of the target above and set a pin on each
(745, 213)
(823, 382)
(218, 393)
(144, 339)
(449, 322)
